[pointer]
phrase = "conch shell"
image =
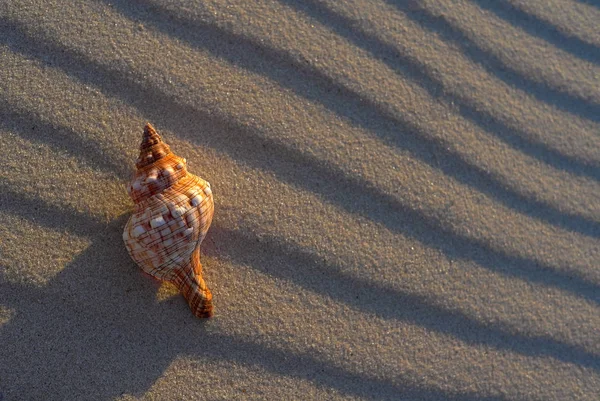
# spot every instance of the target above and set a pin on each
(173, 211)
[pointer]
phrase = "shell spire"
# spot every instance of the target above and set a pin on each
(152, 147)
(150, 137)
(173, 211)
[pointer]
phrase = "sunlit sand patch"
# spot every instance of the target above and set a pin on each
(5, 315)
(166, 291)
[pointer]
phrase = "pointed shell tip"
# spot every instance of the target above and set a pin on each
(149, 128)
(150, 137)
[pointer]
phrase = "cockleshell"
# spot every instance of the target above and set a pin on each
(173, 211)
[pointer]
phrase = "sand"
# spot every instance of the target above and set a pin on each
(407, 199)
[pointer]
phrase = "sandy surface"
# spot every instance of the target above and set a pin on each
(407, 198)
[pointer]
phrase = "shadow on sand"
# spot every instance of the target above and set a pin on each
(326, 180)
(97, 325)
(423, 75)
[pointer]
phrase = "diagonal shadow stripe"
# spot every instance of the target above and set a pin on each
(538, 27)
(594, 3)
(421, 74)
(309, 173)
(315, 86)
(131, 336)
(307, 270)
(32, 128)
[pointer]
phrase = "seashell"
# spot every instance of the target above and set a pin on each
(173, 211)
